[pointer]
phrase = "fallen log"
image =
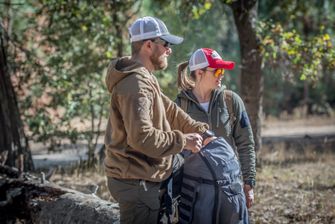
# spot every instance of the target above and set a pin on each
(28, 199)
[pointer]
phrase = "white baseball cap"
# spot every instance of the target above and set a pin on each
(148, 28)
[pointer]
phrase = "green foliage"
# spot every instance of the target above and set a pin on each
(297, 45)
(76, 42)
(303, 57)
(68, 45)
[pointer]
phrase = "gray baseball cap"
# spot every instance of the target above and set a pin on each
(150, 27)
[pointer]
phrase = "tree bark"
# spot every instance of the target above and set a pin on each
(24, 197)
(14, 148)
(245, 15)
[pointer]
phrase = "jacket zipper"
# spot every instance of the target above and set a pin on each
(209, 113)
(218, 117)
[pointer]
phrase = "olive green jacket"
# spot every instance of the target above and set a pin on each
(237, 133)
(145, 128)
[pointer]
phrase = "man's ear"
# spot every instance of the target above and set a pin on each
(148, 44)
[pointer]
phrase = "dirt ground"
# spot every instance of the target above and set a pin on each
(296, 192)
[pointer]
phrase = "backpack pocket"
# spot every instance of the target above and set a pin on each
(188, 199)
(233, 205)
(232, 189)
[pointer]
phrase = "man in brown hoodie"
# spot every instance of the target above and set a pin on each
(145, 128)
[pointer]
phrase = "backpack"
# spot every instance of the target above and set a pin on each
(212, 189)
(205, 187)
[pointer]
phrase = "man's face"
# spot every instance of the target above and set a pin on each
(161, 51)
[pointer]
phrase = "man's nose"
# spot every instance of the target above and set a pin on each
(168, 51)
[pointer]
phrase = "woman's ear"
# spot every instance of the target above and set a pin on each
(199, 72)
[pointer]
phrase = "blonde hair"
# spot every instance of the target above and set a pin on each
(184, 81)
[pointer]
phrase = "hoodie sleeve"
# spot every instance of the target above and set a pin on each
(181, 120)
(244, 140)
(134, 104)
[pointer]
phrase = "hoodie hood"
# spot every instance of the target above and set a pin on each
(187, 94)
(120, 68)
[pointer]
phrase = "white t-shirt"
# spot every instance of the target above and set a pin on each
(205, 106)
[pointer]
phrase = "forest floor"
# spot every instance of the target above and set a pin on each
(296, 192)
(288, 191)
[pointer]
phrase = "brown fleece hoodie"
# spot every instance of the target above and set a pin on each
(145, 127)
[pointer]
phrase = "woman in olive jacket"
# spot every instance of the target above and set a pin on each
(203, 98)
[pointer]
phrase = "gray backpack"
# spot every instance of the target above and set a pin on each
(212, 189)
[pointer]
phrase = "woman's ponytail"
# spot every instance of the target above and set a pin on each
(183, 81)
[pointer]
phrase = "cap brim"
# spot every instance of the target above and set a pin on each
(172, 39)
(229, 65)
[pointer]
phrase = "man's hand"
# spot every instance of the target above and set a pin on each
(208, 140)
(249, 195)
(193, 142)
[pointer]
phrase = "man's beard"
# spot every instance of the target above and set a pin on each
(159, 62)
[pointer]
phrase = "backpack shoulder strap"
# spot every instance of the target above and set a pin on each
(228, 98)
(183, 104)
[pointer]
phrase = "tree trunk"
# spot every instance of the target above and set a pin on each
(119, 35)
(119, 26)
(28, 199)
(245, 15)
(14, 149)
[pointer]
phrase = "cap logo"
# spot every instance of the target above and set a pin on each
(215, 55)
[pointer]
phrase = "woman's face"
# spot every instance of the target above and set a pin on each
(211, 78)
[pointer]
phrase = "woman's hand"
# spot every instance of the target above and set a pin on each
(249, 195)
